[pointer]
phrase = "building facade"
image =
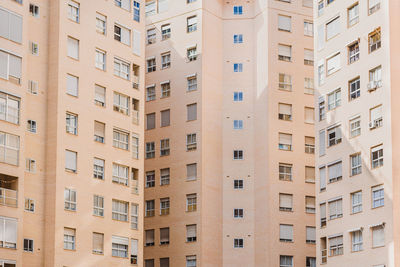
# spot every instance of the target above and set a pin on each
(71, 133)
(229, 139)
(356, 74)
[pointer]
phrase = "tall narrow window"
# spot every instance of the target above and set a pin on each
(70, 160)
(99, 131)
(192, 24)
(332, 28)
(69, 199)
(356, 202)
(355, 164)
(353, 15)
(101, 23)
(73, 48)
(98, 168)
(73, 11)
(72, 85)
(98, 243)
(377, 156)
(354, 89)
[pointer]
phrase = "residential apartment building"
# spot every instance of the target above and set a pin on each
(229, 139)
(356, 69)
(71, 132)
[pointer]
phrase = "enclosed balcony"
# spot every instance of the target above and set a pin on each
(8, 190)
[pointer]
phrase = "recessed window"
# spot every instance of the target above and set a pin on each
(238, 38)
(119, 210)
(72, 85)
(237, 10)
(100, 59)
(121, 69)
(375, 79)
(237, 124)
(285, 142)
(378, 196)
(151, 36)
(336, 245)
(237, 184)
(353, 15)
(191, 261)
(285, 82)
(191, 233)
(34, 10)
(191, 142)
(309, 174)
(376, 117)
(284, 23)
(373, 6)
(150, 179)
(98, 168)
(309, 145)
(354, 89)
(120, 139)
(150, 150)
(191, 53)
(355, 164)
(28, 245)
(151, 93)
(71, 161)
(309, 115)
(69, 199)
(165, 118)
(332, 28)
(149, 234)
(73, 48)
(238, 213)
(191, 172)
(191, 202)
(237, 96)
(285, 52)
(164, 176)
(355, 127)
(164, 147)
(71, 123)
(285, 261)
(165, 60)
(286, 233)
(237, 154)
(98, 243)
(335, 172)
(69, 238)
(150, 8)
(150, 209)
(192, 24)
(310, 204)
(377, 156)
(335, 208)
(73, 11)
(98, 205)
(285, 202)
(285, 172)
(151, 64)
(191, 83)
(165, 89)
(354, 52)
(334, 99)
(99, 95)
(29, 205)
(374, 40)
(166, 31)
(119, 246)
(238, 67)
(10, 108)
(120, 174)
(285, 112)
(99, 131)
(333, 64)
(164, 206)
(308, 28)
(191, 111)
(101, 23)
(136, 11)
(310, 235)
(356, 202)
(378, 236)
(238, 243)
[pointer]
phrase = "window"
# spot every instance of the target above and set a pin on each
(309, 86)
(101, 23)
(336, 245)
(164, 206)
(164, 147)
(376, 119)
(134, 216)
(285, 112)
(356, 240)
(335, 208)
(32, 86)
(191, 83)
(309, 145)
(120, 139)
(238, 67)
(356, 202)
(191, 233)
(119, 210)
(308, 3)
(237, 184)
(191, 261)
(73, 11)
(308, 28)
(99, 131)
(237, 10)
(310, 174)
(237, 154)
(72, 85)
(285, 52)
(332, 28)
(322, 176)
(310, 235)
(98, 168)
(34, 10)
(150, 150)
(166, 31)
(191, 202)
(151, 93)
(72, 123)
(150, 179)
(99, 95)
(165, 60)
(333, 64)
(237, 124)
(322, 143)
(164, 176)
(120, 174)
(321, 74)
(135, 146)
(311, 262)
(309, 115)
(98, 243)
(162, 5)
(149, 238)
(335, 172)
(378, 236)
(31, 126)
(165, 89)
(151, 36)
(238, 38)
(13, 25)
(70, 160)
(374, 40)
(70, 199)
(285, 141)
(100, 59)
(191, 142)
(165, 118)
(238, 243)
(377, 156)
(119, 246)
(310, 204)
(69, 238)
(285, 233)
(28, 245)
(285, 172)
(191, 53)
(237, 96)
(334, 136)
(150, 8)
(136, 11)
(309, 57)
(164, 236)
(285, 261)
(8, 232)
(285, 202)
(73, 48)
(355, 127)
(9, 148)
(378, 196)
(285, 82)
(352, 15)
(375, 79)
(284, 23)
(151, 64)
(191, 171)
(9, 107)
(34, 47)
(190, 1)
(354, 89)
(373, 6)
(98, 205)
(30, 165)
(29, 205)
(354, 52)
(150, 209)
(355, 164)
(238, 213)
(121, 68)
(191, 112)
(322, 208)
(192, 24)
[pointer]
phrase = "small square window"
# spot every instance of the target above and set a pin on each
(237, 10)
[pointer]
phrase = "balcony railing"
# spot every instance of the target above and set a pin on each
(8, 197)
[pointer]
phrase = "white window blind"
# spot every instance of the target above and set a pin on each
(70, 160)
(191, 112)
(286, 232)
(309, 115)
(310, 233)
(322, 178)
(321, 37)
(285, 139)
(149, 236)
(284, 23)
(332, 28)
(126, 4)
(162, 5)
(376, 113)
(335, 171)
(192, 20)
(190, 231)
(98, 242)
(322, 210)
(120, 240)
(285, 109)
(378, 236)
(10, 25)
(285, 50)
(99, 129)
(286, 201)
(8, 232)
(335, 208)
(134, 247)
(136, 42)
(125, 36)
(72, 85)
(309, 54)
(73, 48)
(165, 118)
(333, 64)
(100, 94)
(191, 171)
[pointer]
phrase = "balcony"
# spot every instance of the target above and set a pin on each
(8, 190)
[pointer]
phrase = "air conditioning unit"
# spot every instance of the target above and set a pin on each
(377, 122)
(378, 83)
(372, 86)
